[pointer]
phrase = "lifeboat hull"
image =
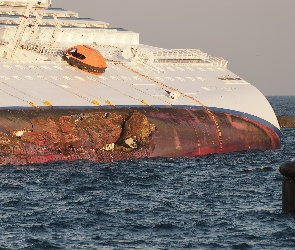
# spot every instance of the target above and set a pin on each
(85, 67)
(85, 58)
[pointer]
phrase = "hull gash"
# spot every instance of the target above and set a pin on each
(77, 89)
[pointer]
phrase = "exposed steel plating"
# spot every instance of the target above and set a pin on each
(40, 136)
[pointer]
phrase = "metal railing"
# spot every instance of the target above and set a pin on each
(24, 3)
(179, 56)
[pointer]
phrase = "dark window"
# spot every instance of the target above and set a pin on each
(75, 53)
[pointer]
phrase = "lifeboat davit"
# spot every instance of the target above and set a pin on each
(85, 58)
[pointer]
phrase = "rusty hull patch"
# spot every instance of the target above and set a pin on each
(104, 135)
(47, 136)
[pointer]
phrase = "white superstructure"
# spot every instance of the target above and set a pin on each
(33, 36)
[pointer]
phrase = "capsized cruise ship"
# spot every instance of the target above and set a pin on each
(78, 89)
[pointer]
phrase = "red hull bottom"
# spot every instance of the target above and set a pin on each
(104, 135)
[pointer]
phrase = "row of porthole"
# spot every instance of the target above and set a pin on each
(157, 78)
(114, 67)
(179, 68)
(191, 69)
(179, 78)
(35, 67)
(103, 78)
(41, 77)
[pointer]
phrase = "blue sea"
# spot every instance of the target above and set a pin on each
(226, 201)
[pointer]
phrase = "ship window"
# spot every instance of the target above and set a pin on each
(75, 53)
(126, 78)
(179, 68)
(65, 86)
(171, 69)
(42, 78)
(159, 78)
(70, 67)
(170, 79)
(138, 68)
(179, 78)
(143, 84)
(206, 88)
(79, 78)
(67, 78)
(5, 77)
(55, 78)
(19, 66)
(46, 67)
(57, 67)
(30, 78)
(136, 78)
(192, 79)
(115, 78)
(116, 68)
(191, 69)
(91, 78)
(17, 77)
(101, 77)
(227, 77)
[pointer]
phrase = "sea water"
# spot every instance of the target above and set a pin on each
(226, 201)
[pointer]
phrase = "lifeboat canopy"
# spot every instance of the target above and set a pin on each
(85, 58)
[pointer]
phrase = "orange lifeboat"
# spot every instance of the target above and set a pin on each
(85, 58)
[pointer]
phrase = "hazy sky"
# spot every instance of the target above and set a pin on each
(256, 36)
